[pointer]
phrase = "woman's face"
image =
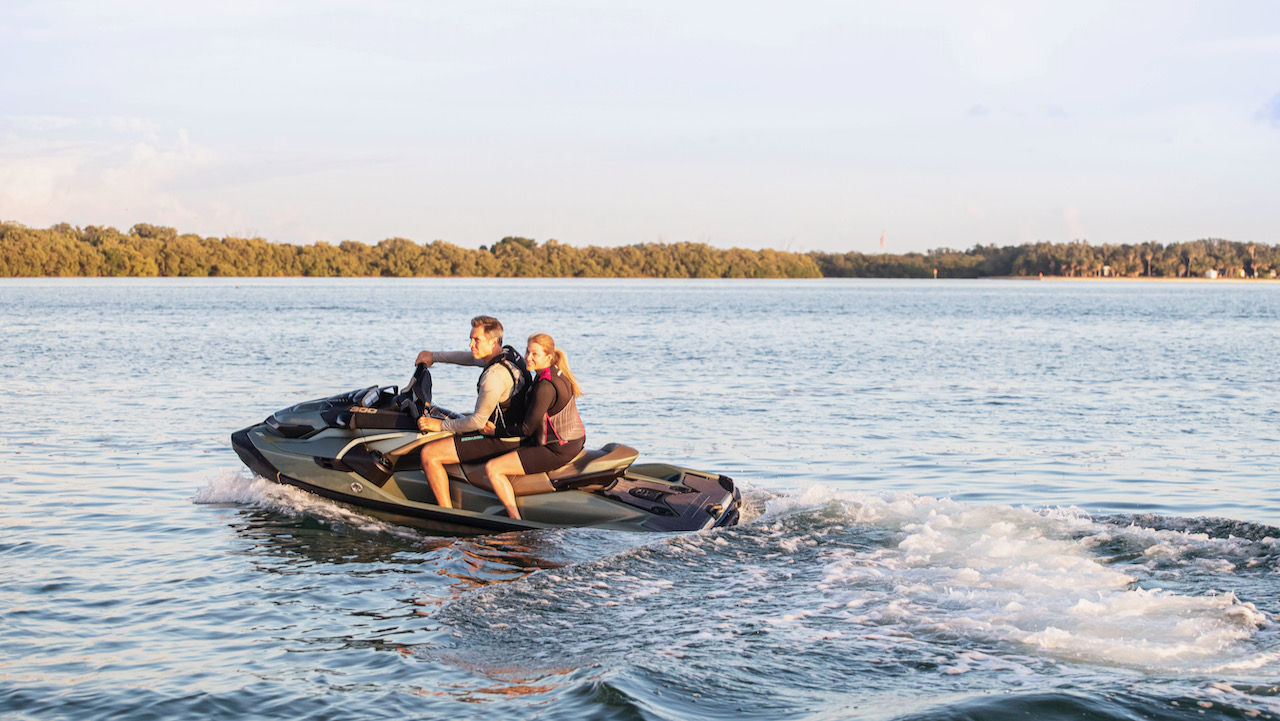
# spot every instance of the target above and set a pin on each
(536, 357)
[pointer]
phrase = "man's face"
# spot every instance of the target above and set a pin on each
(482, 346)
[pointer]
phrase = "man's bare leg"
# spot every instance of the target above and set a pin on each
(434, 456)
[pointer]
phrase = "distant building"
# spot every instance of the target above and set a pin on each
(1211, 274)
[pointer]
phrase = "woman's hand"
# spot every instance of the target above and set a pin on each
(427, 424)
(426, 358)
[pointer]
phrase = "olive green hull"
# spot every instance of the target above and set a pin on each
(646, 497)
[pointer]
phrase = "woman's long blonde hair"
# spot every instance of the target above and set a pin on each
(561, 360)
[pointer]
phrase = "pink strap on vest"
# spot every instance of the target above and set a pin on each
(553, 431)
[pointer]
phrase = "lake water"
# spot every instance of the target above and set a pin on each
(965, 500)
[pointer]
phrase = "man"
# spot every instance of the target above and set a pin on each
(498, 392)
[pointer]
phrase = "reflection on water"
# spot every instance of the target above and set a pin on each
(291, 544)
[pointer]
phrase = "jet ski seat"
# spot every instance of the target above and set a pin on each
(591, 466)
(606, 460)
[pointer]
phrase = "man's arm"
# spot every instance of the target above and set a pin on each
(456, 357)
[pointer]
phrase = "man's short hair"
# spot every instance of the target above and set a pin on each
(492, 328)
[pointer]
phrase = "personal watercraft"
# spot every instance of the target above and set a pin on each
(361, 447)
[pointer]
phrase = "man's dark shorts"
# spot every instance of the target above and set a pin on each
(472, 447)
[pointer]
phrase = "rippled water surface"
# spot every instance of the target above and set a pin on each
(966, 500)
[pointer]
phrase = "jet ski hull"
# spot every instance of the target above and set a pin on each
(307, 446)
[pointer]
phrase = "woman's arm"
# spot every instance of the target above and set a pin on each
(540, 400)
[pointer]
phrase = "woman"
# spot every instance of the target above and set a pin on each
(552, 428)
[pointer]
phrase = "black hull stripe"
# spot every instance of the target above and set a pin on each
(424, 513)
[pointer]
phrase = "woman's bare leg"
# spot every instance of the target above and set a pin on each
(498, 469)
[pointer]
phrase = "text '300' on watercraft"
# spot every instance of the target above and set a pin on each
(361, 448)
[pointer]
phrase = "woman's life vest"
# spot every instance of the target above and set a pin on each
(562, 423)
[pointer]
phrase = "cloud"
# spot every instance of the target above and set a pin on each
(108, 170)
(149, 167)
(31, 183)
(1270, 113)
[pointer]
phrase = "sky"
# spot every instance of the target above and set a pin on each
(799, 125)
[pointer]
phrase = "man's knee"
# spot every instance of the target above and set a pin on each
(441, 451)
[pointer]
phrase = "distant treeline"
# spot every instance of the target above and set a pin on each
(149, 250)
(1078, 259)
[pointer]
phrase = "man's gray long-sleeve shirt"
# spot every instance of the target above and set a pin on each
(496, 386)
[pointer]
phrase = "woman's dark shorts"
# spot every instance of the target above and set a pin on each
(540, 459)
(472, 447)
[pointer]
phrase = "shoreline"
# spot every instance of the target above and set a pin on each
(1142, 279)
(1011, 278)
(1014, 278)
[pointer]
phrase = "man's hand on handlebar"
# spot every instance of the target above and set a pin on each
(426, 358)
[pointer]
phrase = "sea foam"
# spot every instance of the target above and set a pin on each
(242, 487)
(1005, 575)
